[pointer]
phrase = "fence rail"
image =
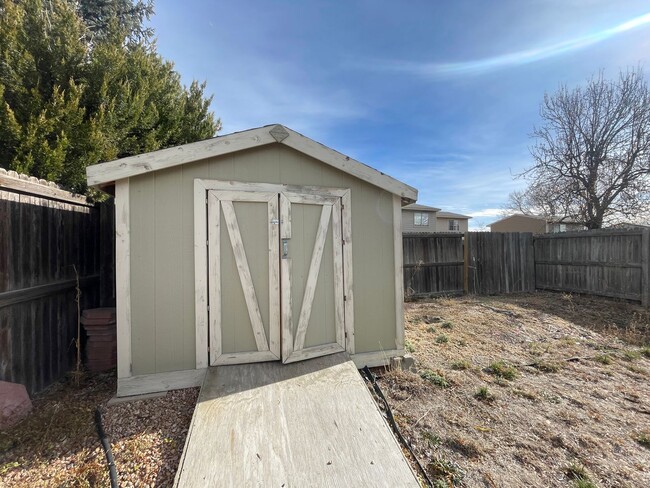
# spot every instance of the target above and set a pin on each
(48, 237)
(613, 263)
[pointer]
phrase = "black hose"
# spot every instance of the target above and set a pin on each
(391, 420)
(112, 472)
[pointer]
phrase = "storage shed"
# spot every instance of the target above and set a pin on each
(261, 245)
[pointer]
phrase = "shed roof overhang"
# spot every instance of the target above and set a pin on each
(105, 174)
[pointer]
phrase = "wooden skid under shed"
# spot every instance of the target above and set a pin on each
(310, 423)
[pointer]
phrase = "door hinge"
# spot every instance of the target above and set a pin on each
(346, 335)
(208, 308)
(345, 298)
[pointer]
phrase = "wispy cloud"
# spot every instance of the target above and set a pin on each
(516, 58)
(487, 212)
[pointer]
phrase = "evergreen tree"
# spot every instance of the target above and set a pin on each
(81, 82)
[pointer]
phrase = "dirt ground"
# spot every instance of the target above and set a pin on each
(522, 390)
(58, 445)
(540, 389)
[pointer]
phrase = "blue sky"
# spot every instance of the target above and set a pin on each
(440, 94)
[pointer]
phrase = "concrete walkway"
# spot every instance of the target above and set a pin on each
(306, 424)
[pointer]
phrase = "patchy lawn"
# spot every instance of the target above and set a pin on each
(527, 390)
(57, 445)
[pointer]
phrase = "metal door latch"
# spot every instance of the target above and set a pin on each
(285, 248)
(275, 221)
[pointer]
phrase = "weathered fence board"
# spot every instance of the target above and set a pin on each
(44, 237)
(500, 262)
(606, 263)
(433, 264)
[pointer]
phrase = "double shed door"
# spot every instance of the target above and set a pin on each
(275, 275)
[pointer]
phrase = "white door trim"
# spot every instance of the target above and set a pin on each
(201, 271)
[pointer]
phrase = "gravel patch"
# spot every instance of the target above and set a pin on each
(57, 445)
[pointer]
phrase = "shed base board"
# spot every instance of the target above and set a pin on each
(177, 380)
(376, 358)
(153, 383)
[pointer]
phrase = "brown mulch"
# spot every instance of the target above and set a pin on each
(57, 445)
(576, 406)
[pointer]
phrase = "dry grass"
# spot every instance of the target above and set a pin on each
(57, 445)
(530, 400)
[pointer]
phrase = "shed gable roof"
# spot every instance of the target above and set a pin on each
(104, 174)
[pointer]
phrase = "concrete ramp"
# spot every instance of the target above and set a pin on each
(311, 423)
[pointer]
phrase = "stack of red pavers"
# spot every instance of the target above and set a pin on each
(101, 348)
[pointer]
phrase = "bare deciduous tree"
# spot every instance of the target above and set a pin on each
(592, 153)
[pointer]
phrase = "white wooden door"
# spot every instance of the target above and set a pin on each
(244, 291)
(276, 276)
(313, 315)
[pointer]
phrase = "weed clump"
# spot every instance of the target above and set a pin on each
(461, 365)
(632, 355)
(579, 476)
(434, 378)
(447, 325)
(442, 339)
(546, 367)
(484, 395)
(408, 346)
(432, 439)
(501, 369)
(604, 359)
(644, 439)
(444, 473)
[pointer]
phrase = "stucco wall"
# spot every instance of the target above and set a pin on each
(162, 251)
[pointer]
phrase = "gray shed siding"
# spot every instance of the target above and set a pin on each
(162, 251)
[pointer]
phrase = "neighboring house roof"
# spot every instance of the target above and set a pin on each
(538, 217)
(451, 215)
(104, 174)
(417, 206)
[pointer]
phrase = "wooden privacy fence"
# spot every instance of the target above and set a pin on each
(613, 263)
(499, 262)
(433, 264)
(45, 234)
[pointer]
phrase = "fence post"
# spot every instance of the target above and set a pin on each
(645, 268)
(466, 263)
